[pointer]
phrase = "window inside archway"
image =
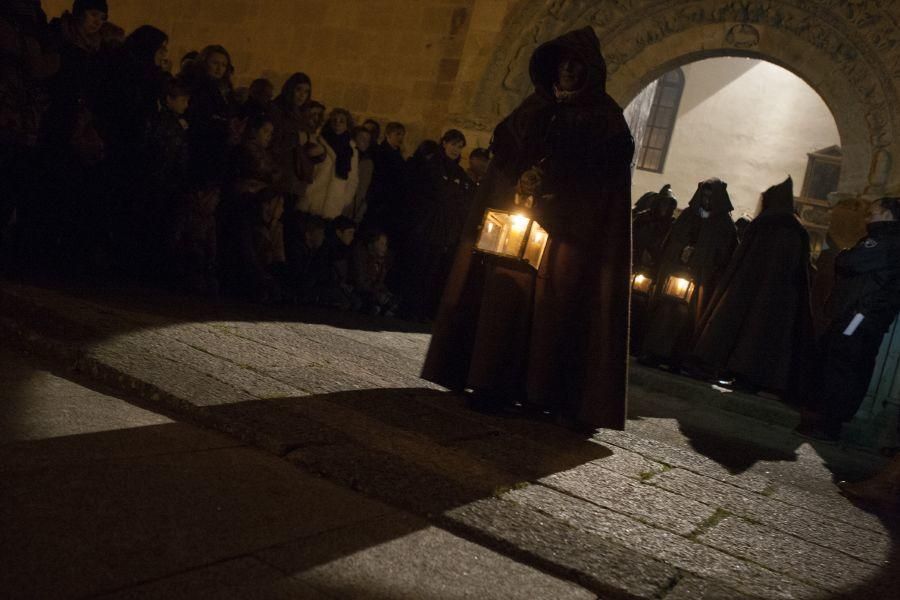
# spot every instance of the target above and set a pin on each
(661, 122)
(748, 122)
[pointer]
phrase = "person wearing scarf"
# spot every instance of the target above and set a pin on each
(336, 178)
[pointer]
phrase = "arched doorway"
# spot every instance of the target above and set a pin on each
(746, 121)
(848, 51)
(845, 50)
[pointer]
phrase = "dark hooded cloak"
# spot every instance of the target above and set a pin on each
(558, 338)
(651, 224)
(699, 247)
(758, 326)
(652, 220)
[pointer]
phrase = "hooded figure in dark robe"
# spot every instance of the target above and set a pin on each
(650, 228)
(555, 339)
(698, 249)
(758, 326)
(652, 220)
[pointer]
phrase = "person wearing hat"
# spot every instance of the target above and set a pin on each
(757, 328)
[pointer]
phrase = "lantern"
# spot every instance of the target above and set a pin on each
(514, 235)
(641, 283)
(680, 287)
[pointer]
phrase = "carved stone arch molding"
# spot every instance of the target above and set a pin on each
(847, 50)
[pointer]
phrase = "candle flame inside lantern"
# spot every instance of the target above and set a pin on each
(520, 223)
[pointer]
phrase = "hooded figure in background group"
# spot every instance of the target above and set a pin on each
(557, 339)
(699, 247)
(758, 327)
(651, 223)
(650, 228)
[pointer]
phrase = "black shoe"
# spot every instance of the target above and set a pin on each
(817, 434)
(574, 425)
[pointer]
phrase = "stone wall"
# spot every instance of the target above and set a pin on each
(388, 59)
(434, 63)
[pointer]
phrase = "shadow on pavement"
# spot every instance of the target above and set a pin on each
(413, 448)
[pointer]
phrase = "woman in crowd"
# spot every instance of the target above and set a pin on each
(290, 119)
(209, 79)
(337, 177)
(76, 37)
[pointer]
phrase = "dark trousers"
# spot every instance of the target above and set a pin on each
(845, 368)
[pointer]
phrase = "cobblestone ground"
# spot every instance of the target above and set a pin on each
(704, 495)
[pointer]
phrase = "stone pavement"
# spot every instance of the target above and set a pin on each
(705, 495)
(104, 499)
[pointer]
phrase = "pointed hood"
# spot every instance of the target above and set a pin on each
(779, 198)
(665, 199)
(582, 44)
(719, 201)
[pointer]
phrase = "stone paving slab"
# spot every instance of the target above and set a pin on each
(607, 568)
(55, 513)
(424, 561)
(245, 578)
(695, 588)
(679, 514)
(813, 527)
(789, 555)
(686, 555)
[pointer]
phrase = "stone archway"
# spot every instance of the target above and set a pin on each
(847, 50)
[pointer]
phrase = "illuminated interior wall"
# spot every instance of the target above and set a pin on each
(748, 122)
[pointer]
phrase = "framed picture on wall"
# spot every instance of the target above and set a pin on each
(823, 173)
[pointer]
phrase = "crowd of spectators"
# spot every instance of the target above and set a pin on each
(121, 165)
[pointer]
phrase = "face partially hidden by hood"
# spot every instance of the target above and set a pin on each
(582, 45)
(778, 198)
(712, 196)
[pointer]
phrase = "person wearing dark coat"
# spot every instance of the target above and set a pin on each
(698, 249)
(555, 339)
(130, 91)
(75, 37)
(758, 327)
(650, 228)
(291, 132)
(862, 306)
(209, 80)
(387, 192)
(439, 209)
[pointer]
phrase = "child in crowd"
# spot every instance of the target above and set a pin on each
(307, 266)
(369, 268)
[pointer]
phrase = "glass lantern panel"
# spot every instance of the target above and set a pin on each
(503, 233)
(679, 287)
(537, 244)
(493, 231)
(642, 283)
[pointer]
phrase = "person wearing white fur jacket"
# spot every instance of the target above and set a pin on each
(336, 178)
